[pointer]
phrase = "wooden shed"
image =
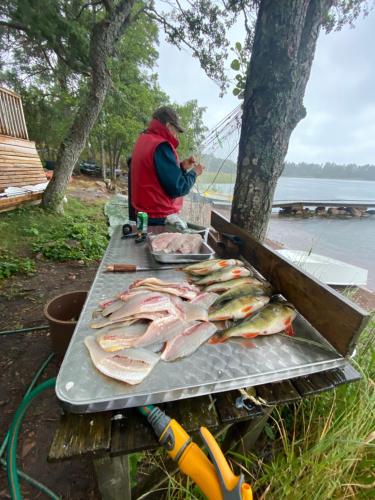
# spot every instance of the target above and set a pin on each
(20, 164)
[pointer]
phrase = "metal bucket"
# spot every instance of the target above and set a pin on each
(62, 313)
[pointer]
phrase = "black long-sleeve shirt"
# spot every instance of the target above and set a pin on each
(173, 179)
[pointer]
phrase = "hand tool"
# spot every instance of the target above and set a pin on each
(129, 268)
(215, 478)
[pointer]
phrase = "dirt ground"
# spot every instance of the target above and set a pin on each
(21, 305)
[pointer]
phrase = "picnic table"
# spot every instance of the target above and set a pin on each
(111, 436)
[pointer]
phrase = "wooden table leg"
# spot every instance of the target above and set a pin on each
(244, 434)
(113, 475)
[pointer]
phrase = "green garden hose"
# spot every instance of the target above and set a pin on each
(14, 486)
(25, 330)
(43, 366)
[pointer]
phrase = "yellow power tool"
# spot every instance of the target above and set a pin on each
(214, 477)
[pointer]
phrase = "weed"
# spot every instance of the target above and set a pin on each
(11, 265)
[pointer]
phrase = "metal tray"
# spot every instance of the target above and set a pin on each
(180, 258)
(212, 368)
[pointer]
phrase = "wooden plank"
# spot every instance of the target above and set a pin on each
(23, 159)
(78, 435)
(192, 413)
(242, 436)
(335, 317)
(113, 476)
(14, 201)
(131, 433)
(13, 155)
(313, 384)
(278, 392)
(17, 149)
(3, 90)
(29, 180)
(6, 125)
(16, 141)
(228, 412)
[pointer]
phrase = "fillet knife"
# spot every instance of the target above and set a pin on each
(130, 268)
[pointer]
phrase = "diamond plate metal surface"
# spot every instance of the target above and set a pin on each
(213, 368)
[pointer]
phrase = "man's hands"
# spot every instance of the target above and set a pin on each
(190, 163)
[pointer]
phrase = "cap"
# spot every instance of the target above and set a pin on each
(165, 115)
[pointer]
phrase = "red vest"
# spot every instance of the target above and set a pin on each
(147, 194)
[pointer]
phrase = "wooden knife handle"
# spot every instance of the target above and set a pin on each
(122, 268)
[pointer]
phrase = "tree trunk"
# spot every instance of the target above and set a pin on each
(104, 38)
(284, 45)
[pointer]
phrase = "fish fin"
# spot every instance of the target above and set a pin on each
(289, 330)
(249, 335)
(247, 309)
(217, 339)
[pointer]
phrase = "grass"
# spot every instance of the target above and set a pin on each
(321, 448)
(80, 234)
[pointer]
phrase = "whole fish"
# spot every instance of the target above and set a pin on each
(214, 265)
(238, 308)
(274, 318)
(225, 274)
(188, 341)
(129, 365)
(227, 285)
(117, 338)
(240, 291)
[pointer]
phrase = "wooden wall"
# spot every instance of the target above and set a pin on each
(20, 164)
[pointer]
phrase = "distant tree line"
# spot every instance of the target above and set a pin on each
(330, 171)
(315, 170)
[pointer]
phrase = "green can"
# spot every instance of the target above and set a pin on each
(142, 223)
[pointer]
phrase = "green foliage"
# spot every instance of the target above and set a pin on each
(11, 265)
(239, 64)
(80, 234)
(76, 239)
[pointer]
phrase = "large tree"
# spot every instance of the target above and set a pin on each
(57, 30)
(282, 51)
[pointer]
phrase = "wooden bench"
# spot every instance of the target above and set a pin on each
(109, 437)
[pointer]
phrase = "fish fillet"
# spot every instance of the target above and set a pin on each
(129, 365)
(145, 302)
(115, 339)
(205, 299)
(188, 341)
(161, 330)
(180, 288)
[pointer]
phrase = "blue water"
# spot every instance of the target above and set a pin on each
(291, 188)
(349, 240)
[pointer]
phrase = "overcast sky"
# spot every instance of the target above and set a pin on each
(340, 96)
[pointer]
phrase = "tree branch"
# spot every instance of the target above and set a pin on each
(13, 25)
(108, 4)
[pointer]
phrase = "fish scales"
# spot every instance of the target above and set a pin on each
(238, 308)
(225, 274)
(274, 318)
(211, 266)
(227, 285)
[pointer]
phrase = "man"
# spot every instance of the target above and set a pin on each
(158, 179)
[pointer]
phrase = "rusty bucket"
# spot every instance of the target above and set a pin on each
(62, 313)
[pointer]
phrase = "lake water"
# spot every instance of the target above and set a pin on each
(350, 240)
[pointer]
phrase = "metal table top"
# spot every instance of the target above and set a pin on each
(213, 368)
